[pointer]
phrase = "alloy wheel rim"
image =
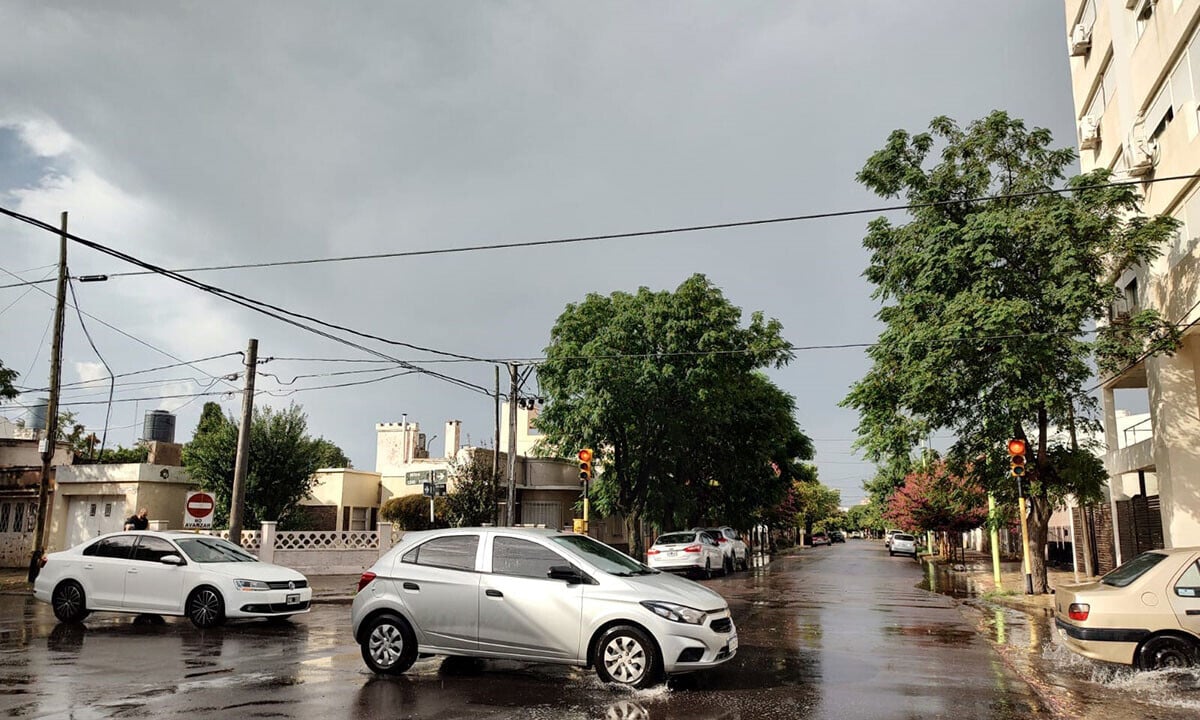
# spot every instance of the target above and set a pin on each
(625, 659)
(68, 600)
(204, 609)
(386, 644)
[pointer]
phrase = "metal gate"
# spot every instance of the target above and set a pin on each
(542, 512)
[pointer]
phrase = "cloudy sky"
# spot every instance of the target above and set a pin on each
(209, 133)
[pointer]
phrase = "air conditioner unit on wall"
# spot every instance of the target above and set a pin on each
(1081, 39)
(1139, 156)
(1089, 133)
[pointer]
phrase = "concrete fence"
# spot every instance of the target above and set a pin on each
(318, 552)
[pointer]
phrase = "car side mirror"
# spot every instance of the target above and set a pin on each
(567, 573)
(171, 560)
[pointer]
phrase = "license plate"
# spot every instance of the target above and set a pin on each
(671, 553)
(733, 643)
(293, 598)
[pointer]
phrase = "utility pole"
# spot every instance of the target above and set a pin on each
(48, 442)
(496, 447)
(238, 500)
(510, 508)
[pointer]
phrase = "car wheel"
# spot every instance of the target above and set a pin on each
(1166, 651)
(707, 574)
(627, 656)
(729, 566)
(389, 646)
(891, 554)
(69, 601)
(205, 608)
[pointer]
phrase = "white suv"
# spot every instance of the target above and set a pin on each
(537, 596)
(733, 549)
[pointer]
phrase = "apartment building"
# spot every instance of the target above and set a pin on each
(1135, 71)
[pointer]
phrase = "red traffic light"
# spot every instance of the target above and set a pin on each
(1016, 446)
(585, 455)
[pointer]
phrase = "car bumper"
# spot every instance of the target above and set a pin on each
(676, 564)
(269, 603)
(686, 648)
(1114, 645)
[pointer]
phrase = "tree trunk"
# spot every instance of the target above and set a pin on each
(633, 530)
(1040, 511)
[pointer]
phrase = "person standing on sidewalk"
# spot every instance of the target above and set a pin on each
(138, 521)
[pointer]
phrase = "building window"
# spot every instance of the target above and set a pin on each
(1101, 95)
(18, 516)
(1142, 14)
(107, 509)
(358, 518)
(5, 510)
(1087, 13)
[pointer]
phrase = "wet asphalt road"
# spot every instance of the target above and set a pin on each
(839, 632)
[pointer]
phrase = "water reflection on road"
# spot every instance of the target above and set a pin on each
(1072, 685)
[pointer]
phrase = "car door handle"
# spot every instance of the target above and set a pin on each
(132, 571)
(493, 593)
(1193, 612)
(411, 586)
(89, 566)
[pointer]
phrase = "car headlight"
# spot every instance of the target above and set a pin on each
(675, 612)
(251, 585)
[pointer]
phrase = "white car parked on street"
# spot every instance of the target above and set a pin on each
(687, 551)
(734, 550)
(168, 573)
(903, 544)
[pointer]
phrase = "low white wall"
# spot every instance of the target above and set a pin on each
(15, 549)
(327, 562)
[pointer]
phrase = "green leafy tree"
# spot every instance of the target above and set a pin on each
(986, 304)
(664, 386)
(7, 377)
(281, 461)
(472, 501)
(119, 454)
(815, 505)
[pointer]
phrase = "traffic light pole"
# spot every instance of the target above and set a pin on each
(1025, 538)
(510, 508)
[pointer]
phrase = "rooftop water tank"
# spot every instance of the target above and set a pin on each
(37, 414)
(160, 426)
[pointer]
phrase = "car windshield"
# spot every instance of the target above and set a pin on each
(675, 538)
(213, 550)
(602, 556)
(1133, 569)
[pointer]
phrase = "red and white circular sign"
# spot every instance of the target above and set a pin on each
(199, 509)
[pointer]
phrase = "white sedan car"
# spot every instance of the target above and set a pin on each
(168, 573)
(690, 551)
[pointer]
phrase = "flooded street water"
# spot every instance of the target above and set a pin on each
(1071, 685)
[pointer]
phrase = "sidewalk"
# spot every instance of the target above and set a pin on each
(338, 589)
(978, 570)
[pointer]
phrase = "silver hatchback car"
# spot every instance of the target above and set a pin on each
(536, 595)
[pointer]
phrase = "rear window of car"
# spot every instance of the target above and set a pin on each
(675, 538)
(902, 536)
(1133, 569)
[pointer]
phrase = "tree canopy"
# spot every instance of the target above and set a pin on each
(667, 388)
(987, 303)
(7, 377)
(281, 462)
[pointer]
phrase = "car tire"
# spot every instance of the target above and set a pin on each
(707, 574)
(1166, 651)
(891, 554)
(626, 655)
(729, 566)
(205, 607)
(69, 602)
(389, 645)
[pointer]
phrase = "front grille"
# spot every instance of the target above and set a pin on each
(722, 625)
(283, 584)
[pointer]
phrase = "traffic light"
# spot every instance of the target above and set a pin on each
(1016, 457)
(585, 466)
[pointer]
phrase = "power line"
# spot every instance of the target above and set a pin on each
(264, 308)
(117, 329)
(112, 381)
(648, 233)
(181, 363)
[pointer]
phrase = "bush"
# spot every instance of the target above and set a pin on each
(411, 512)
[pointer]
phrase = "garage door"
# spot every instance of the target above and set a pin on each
(92, 515)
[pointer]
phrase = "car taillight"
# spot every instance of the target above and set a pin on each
(1079, 611)
(692, 548)
(652, 551)
(365, 580)
(721, 540)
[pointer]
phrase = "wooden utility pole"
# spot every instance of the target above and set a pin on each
(496, 448)
(237, 500)
(510, 509)
(48, 442)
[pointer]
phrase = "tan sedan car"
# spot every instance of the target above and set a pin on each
(1145, 613)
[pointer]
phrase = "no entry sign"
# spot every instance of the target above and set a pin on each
(198, 510)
